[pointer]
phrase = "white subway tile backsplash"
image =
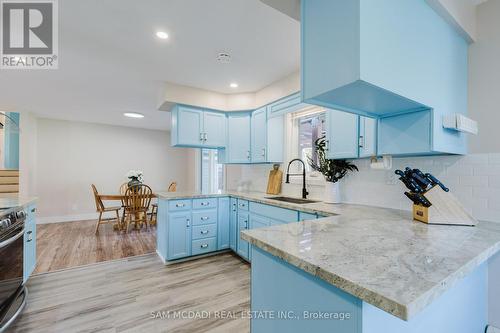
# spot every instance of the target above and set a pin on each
(473, 179)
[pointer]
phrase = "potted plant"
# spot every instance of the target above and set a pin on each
(136, 178)
(332, 170)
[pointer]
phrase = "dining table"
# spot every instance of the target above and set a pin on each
(119, 197)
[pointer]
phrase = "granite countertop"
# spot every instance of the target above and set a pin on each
(379, 255)
(9, 205)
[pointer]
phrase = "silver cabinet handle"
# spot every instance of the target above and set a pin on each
(361, 141)
(246, 224)
(205, 203)
(201, 136)
(179, 205)
(205, 218)
(248, 154)
(188, 224)
(204, 232)
(205, 136)
(263, 152)
(30, 235)
(204, 246)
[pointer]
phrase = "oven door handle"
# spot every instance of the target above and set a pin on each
(12, 239)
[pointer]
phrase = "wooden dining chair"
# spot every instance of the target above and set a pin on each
(123, 189)
(100, 208)
(137, 201)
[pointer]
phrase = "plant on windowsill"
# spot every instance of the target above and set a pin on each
(333, 170)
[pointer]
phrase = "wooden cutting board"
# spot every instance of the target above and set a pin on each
(275, 180)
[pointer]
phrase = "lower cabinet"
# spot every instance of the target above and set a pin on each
(179, 235)
(233, 225)
(190, 227)
(29, 252)
(223, 222)
(243, 224)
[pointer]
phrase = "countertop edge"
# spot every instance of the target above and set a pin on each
(392, 307)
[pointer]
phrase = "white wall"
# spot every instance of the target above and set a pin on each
(484, 78)
(72, 155)
(461, 14)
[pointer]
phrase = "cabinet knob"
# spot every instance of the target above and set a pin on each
(248, 154)
(205, 137)
(30, 235)
(205, 203)
(188, 224)
(201, 136)
(204, 246)
(179, 205)
(204, 232)
(205, 218)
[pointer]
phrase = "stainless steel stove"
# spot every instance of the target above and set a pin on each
(12, 290)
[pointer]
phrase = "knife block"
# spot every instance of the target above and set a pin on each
(445, 209)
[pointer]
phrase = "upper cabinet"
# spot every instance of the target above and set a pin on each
(195, 127)
(238, 139)
(349, 135)
(387, 59)
(259, 135)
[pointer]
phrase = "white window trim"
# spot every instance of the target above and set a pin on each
(313, 178)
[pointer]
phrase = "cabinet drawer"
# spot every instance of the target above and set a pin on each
(176, 205)
(204, 203)
(203, 217)
(204, 231)
(201, 246)
(242, 204)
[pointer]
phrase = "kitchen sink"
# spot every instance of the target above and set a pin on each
(292, 200)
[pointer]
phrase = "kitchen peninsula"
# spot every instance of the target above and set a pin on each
(375, 268)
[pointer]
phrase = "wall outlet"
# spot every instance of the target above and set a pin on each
(390, 178)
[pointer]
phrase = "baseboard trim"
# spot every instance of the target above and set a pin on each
(67, 218)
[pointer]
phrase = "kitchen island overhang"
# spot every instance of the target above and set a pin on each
(400, 275)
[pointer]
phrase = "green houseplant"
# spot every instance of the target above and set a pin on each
(333, 170)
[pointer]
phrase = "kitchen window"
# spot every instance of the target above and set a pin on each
(305, 127)
(212, 172)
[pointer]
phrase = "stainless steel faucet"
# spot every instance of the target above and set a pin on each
(288, 174)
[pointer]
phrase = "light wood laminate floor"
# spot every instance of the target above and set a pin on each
(71, 244)
(121, 295)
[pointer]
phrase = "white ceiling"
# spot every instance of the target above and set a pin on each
(110, 61)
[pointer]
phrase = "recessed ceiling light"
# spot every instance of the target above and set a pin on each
(233, 85)
(133, 115)
(161, 34)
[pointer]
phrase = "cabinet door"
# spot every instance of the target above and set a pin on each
(161, 228)
(179, 235)
(342, 134)
(233, 228)
(223, 224)
(367, 137)
(189, 124)
(259, 135)
(29, 249)
(214, 129)
(242, 244)
(275, 139)
(238, 143)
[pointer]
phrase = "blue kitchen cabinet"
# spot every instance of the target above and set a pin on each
(238, 139)
(258, 221)
(179, 235)
(259, 135)
(275, 139)
(197, 128)
(187, 126)
(29, 253)
(303, 216)
(243, 224)
(214, 129)
(233, 225)
(367, 137)
(223, 222)
(342, 134)
(285, 105)
(161, 228)
(359, 57)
